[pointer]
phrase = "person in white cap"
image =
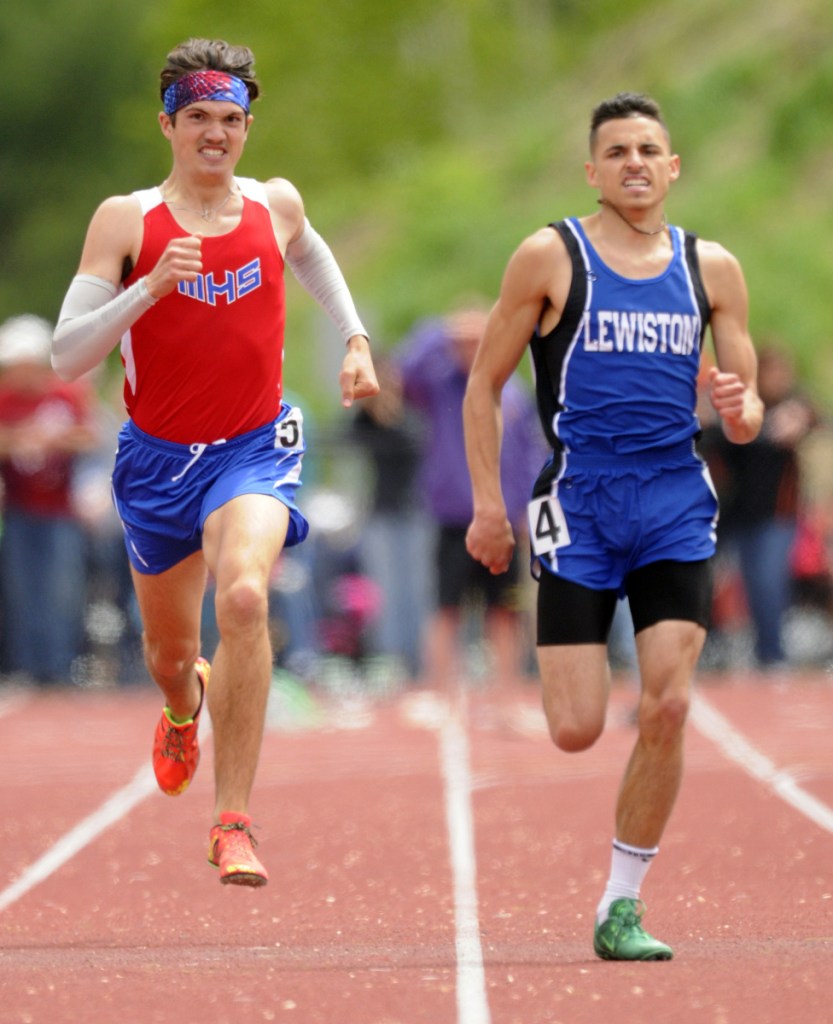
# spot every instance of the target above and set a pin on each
(45, 424)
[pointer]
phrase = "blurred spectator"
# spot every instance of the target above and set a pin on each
(295, 597)
(435, 362)
(44, 425)
(394, 545)
(812, 564)
(759, 488)
(113, 652)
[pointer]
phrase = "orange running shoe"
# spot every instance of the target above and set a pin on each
(176, 751)
(230, 850)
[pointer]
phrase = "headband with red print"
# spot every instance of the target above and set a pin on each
(206, 85)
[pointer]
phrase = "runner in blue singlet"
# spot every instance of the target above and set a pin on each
(615, 306)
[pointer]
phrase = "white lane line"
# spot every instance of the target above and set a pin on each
(472, 1003)
(81, 835)
(116, 807)
(712, 724)
(10, 702)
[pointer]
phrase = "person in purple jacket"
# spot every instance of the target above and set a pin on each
(434, 361)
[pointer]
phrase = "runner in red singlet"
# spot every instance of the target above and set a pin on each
(187, 277)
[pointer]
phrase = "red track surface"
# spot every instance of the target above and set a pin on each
(358, 923)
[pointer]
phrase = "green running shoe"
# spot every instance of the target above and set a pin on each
(621, 935)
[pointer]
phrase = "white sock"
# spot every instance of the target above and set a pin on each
(628, 867)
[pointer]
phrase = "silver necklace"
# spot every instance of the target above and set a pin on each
(208, 213)
(642, 231)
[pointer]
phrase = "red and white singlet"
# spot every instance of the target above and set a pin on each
(205, 362)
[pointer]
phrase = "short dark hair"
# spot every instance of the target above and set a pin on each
(210, 54)
(625, 104)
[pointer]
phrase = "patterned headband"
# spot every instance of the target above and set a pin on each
(206, 85)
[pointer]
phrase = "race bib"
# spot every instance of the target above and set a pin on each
(547, 525)
(289, 433)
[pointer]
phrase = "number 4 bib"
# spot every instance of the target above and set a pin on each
(547, 525)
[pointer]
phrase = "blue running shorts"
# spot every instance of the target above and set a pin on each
(164, 492)
(592, 520)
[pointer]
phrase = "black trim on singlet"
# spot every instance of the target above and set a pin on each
(549, 351)
(693, 261)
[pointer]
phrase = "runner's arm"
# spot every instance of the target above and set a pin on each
(732, 384)
(314, 265)
(523, 295)
(96, 312)
(93, 318)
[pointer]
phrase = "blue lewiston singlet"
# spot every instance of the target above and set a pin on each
(616, 385)
(618, 374)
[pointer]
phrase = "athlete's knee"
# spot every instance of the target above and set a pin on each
(169, 657)
(573, 737)
(662, 718)
(571, 730)
(575, 684)
(242, 603)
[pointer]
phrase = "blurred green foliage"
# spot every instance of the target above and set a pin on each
(429, 138)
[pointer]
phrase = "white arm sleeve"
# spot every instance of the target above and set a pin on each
(313, 263)
(93, 317)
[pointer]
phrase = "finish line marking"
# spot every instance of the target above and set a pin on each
(712, 724)
(472, 1004)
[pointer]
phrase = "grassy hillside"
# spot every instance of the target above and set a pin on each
(747, 89)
